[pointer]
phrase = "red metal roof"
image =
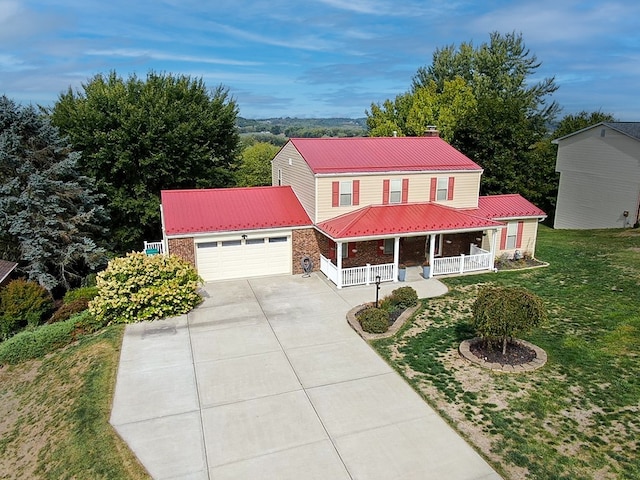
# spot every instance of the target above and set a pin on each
(231, 209)
(381, 154)
(380, 220)
(506, 206)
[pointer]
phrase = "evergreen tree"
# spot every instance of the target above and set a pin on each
(49, 213)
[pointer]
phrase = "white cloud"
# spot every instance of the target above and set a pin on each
(150, 54)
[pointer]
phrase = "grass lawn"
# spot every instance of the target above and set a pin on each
(579, 416)
(54, 414)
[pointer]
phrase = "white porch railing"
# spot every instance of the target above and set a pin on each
(151, 246)
(478, 260)
(364, 275)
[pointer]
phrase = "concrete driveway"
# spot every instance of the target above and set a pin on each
(266, 380)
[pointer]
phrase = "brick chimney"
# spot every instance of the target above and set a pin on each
(431, 131)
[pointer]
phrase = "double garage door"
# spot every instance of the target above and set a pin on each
(253, 256)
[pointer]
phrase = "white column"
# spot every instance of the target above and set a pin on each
(494, 246)
(432, 251)
(339, 264)
(396, 257)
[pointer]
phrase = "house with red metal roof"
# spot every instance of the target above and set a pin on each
(355, 209)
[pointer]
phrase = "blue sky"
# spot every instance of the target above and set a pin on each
(314, 58)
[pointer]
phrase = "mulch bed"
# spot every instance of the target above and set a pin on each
(517, 354)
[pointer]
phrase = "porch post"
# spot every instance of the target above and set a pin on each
(339, 264)
(432, 251)
(396, 257)
(494, 246)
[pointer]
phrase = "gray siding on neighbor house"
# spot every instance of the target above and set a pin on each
(297, 174)
(599, 179)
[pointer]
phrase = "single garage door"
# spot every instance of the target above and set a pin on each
(251, 257)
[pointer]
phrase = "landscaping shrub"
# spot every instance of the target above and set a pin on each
(82, 293)
(500, 313)
(404, 297)
(374, 320)
(140, 287)
(69, 309)
(23, 302)
(36, 343)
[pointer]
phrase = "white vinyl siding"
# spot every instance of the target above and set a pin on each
(296, 173)
(599, 180)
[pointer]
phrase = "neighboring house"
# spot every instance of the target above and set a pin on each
(357, 208)
(6, 269)
(599, 170)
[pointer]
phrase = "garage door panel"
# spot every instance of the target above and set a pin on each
(228, 259)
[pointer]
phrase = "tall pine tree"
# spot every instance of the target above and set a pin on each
(49, 213)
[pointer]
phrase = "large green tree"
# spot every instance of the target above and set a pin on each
(49, 212)
(255, 165)
(488, 106)
(139, 136)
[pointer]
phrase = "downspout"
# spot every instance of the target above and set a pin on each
(494, 246)
(165, 242)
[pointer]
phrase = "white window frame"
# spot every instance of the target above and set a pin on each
(388, 246)
(395, 191)
(442, 189)
(346, 193)
(512, 235)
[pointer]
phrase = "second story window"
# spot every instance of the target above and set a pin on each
(279, 177)
(345, 194)
(395, 191)
(443, 188)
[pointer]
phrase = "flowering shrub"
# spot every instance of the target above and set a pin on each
(140, 287)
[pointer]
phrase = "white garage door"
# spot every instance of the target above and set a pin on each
(251, 257)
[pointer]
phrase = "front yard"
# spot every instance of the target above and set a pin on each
(578, 416)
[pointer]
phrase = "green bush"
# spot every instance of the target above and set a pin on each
(141, 287)
(374, 320)
(36, 343)
(23, 302)
(404, 297)
(82, 293)
(69, 309)
(500, 313)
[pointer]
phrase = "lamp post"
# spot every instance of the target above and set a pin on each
(377, 288)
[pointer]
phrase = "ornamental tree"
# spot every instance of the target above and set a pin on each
(501, 313)
(139, 136)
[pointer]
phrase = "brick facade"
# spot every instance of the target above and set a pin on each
(305, 243)
(183, 248)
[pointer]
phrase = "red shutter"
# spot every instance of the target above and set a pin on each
(335, 194)
(385, 192)
(432, 192)
(351, 247)
(450, 188)
(380, 247)
(519, 234)
(405, 190)
(356, 192)
(503, 238)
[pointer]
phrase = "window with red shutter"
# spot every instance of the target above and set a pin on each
(385, 192)
(450, 188)
(335, 194)
(356, 192)
(405, 190)
(432, 191)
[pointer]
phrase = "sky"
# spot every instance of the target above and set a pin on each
(314, 58)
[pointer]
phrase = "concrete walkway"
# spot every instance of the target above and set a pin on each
(266, 380)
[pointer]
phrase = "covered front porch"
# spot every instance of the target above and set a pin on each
(351, 263)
